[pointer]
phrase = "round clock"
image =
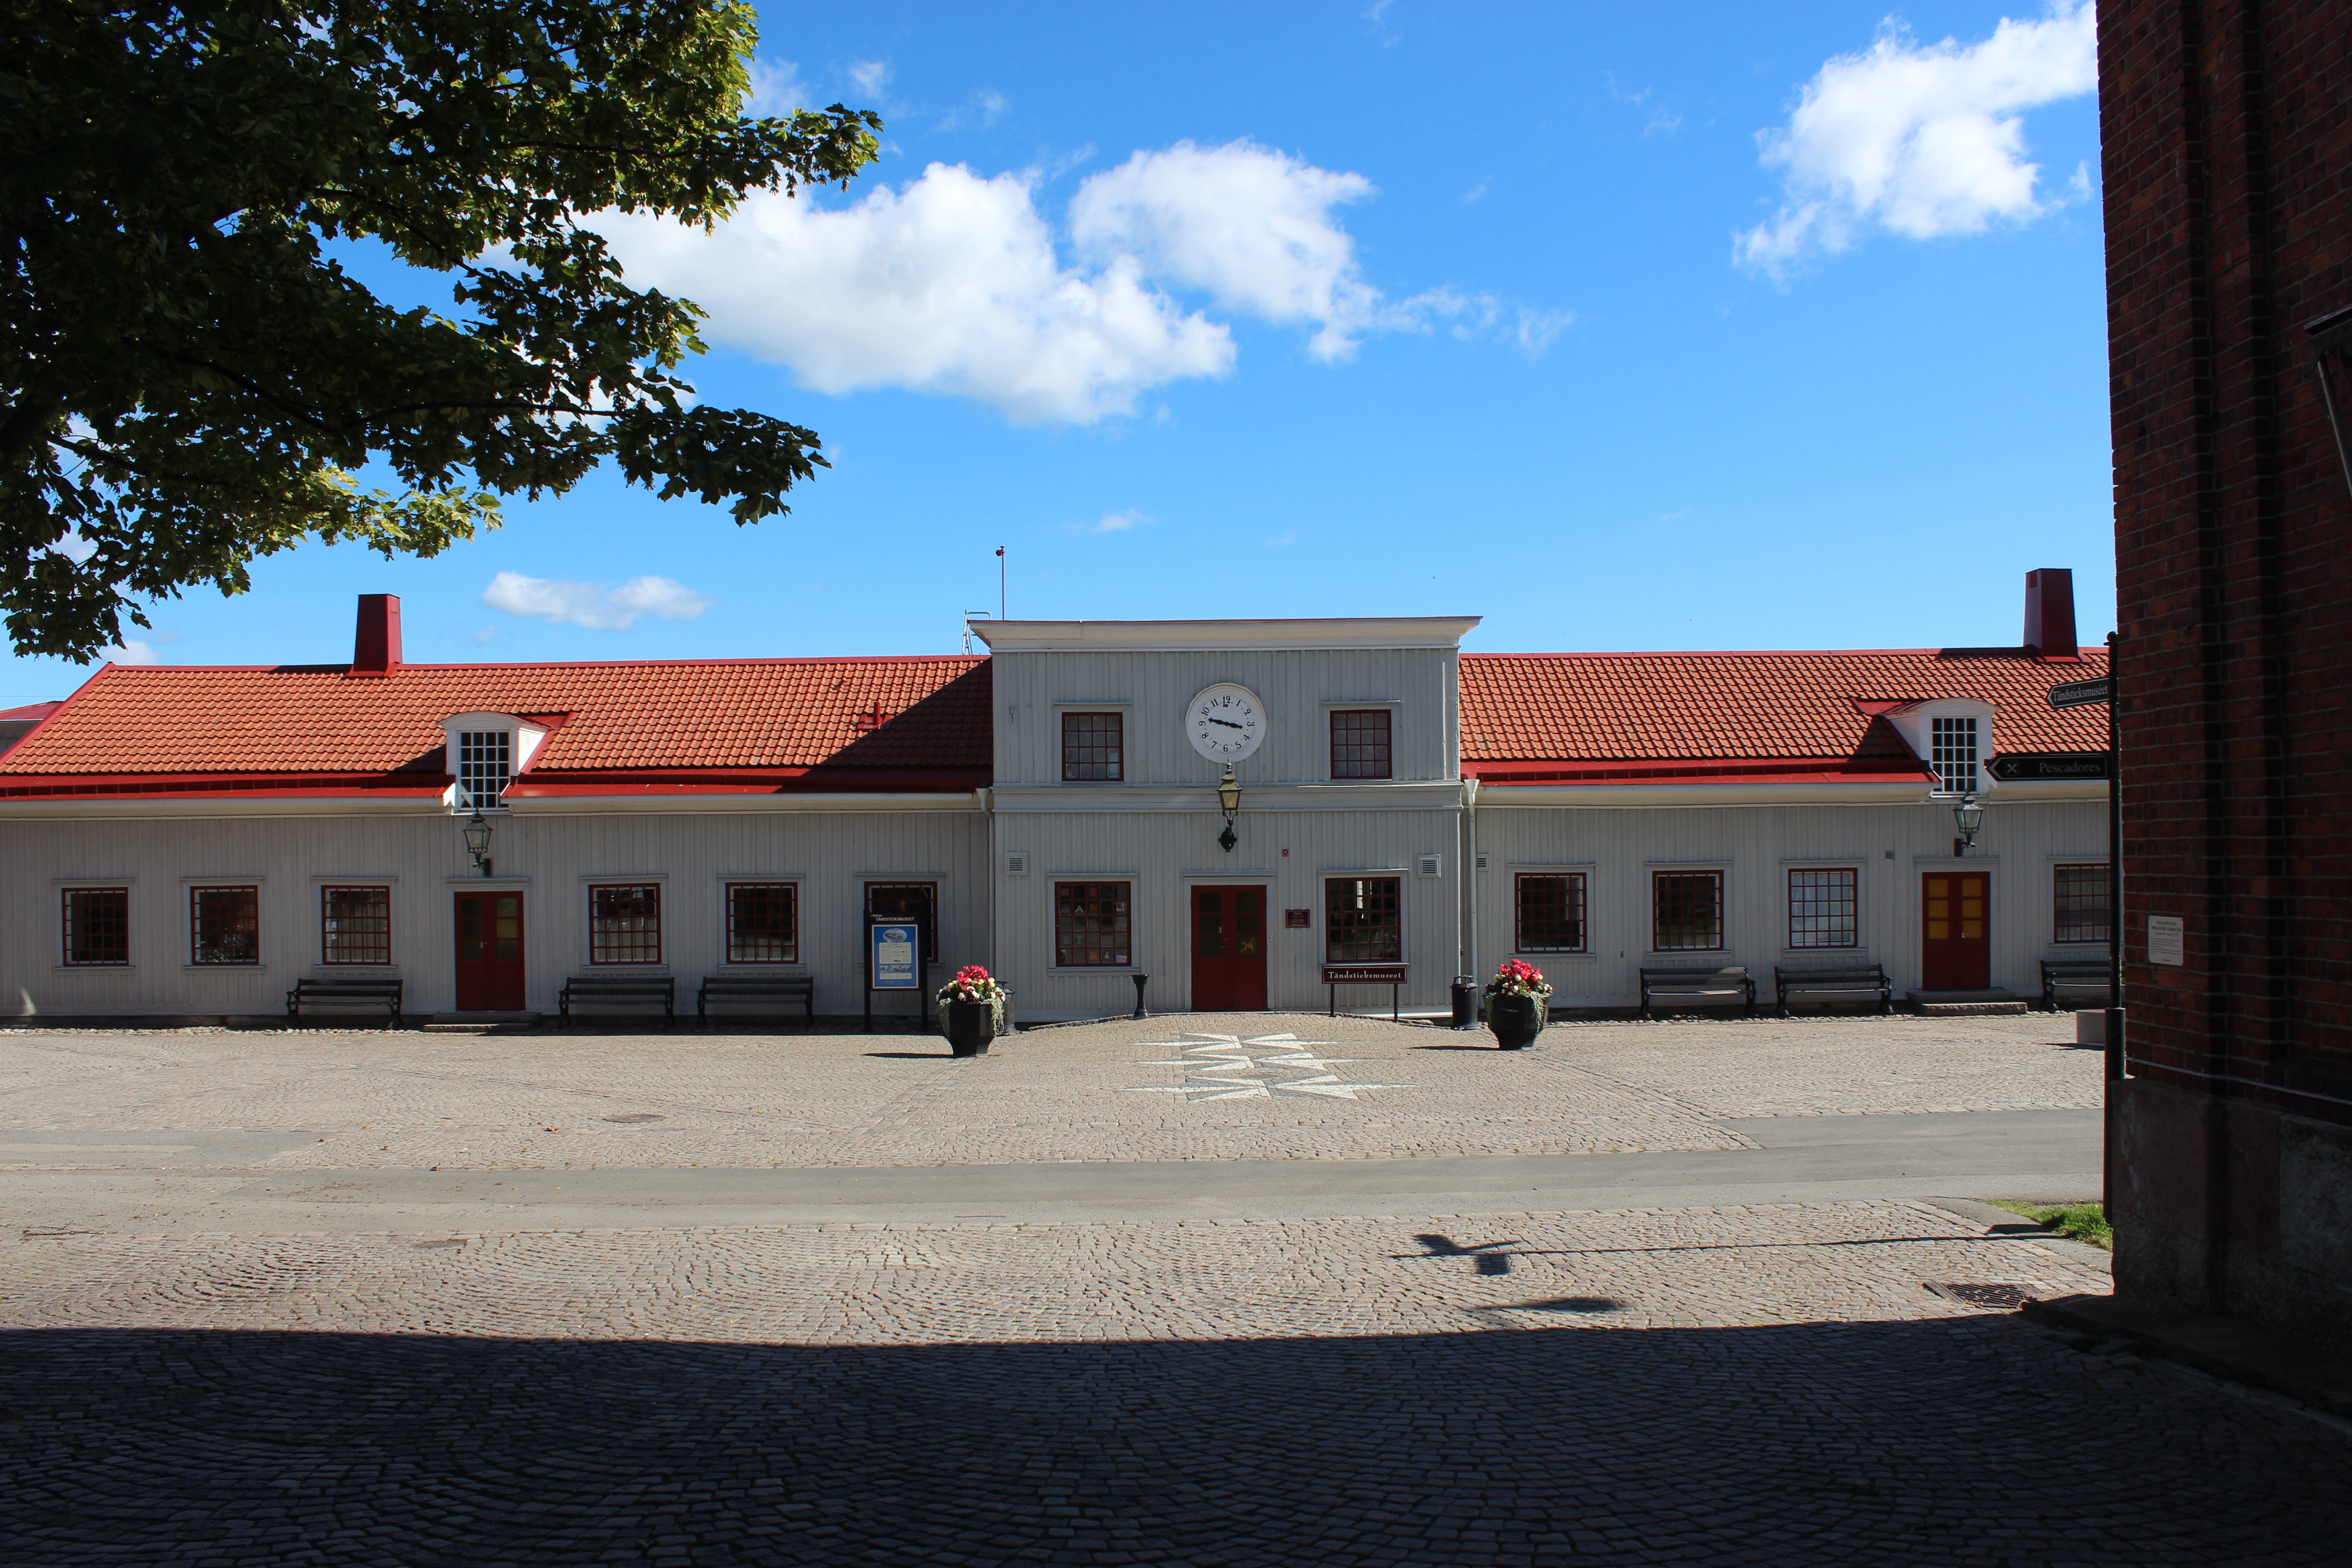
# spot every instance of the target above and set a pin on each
(1225, 722)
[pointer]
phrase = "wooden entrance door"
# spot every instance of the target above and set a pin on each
(490, 951)
(1228, 949)
(1956, 942)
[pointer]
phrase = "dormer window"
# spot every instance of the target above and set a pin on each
(485, 765)
(1953, 751)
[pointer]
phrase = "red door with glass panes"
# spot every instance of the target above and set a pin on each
(1228, 949)
(490, 951)
(1955, 932)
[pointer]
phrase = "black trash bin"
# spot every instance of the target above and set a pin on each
(1466, 1002)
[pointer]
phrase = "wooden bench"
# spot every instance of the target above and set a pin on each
(2072, 975)
(1849, 982)
(636, 989)
(1728, 981)
(787, 989)
(377, 991)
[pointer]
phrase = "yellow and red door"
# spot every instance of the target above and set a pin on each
(1955, 932)
(1228, 949)
(490, 951)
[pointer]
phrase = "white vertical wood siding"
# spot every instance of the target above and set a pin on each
(1621, 849)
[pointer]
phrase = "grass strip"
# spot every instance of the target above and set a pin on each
(2083, 1222)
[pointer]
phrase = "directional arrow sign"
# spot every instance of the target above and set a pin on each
(2082, 693)
(2048, 767)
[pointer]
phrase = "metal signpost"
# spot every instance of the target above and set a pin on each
(1391, 975)
(895, 962)
(2084, 694)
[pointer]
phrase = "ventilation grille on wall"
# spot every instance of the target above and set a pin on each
(1432, 865)
(1017, 862)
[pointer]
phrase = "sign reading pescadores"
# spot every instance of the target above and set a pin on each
(2048, 767)
(1364, 973)
(2083, 693)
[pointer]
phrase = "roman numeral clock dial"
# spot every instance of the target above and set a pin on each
(1225, 722)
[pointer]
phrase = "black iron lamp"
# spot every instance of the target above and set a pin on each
(1967, 816)
(1229, 796)
(477, 842)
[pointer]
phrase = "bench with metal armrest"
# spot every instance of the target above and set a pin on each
(644, 990)
(342, 992)
(1684, 982)
(2072, 975)
(787, 989)
(1833, 982)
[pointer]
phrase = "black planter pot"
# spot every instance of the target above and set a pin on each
(1516, 1021)
(968, 1026)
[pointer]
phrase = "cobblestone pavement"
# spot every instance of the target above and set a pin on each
(1093, 1092)
(1741, 1387)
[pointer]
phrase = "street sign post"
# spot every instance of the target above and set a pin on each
(2084, 694)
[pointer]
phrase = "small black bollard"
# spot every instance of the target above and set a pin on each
(1466, 1002)
(1141, 982)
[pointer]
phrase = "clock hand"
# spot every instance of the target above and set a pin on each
(1228, 723)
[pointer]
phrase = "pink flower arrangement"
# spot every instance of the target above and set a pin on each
(972, 984)
(1516, 977)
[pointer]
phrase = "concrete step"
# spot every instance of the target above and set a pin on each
(1966, 1004)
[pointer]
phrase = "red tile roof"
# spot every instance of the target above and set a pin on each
(892, 722)
(1636, 716)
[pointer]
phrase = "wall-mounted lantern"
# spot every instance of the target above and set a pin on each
(477, 842)
(1967, 816)
(1229, 797)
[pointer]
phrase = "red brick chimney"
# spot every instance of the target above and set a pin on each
(377, 651)
(2049, 613)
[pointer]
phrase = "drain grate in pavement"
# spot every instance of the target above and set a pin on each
(453, 1241)
(637, 1116)
(1980, 1295)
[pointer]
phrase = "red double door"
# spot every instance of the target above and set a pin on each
(490, 951)
(1228, 949)
(1955, 932)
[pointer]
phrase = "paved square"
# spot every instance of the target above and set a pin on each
(1696, 1384)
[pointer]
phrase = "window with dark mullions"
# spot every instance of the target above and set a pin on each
(909, 902)
(1688, 912)
(223, 925)
(2079, 905)
(624, 923)
(1093, 925)
(1362, 921)
(1551, 912)
(97, 927)
(1091, 749)
(355, 925)
(1823, 907)
(763, 922)
(1359, 744)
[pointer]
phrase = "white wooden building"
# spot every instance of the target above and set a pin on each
(192, 841)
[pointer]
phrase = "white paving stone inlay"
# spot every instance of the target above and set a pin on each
(1229, 1067)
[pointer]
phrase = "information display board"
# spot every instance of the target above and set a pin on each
(895, 963)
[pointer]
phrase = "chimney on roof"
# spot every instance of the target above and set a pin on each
(2050, 613)
(377, 651)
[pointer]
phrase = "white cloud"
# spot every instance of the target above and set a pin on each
(591, 603)
(1922, 141)
(131, 650)
(1376, 17)
(951, 286)
(776, 88)
(871, 76)
(1249, 225)
(1112, 522)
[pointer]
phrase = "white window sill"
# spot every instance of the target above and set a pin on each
(1093, 969)
(224, 968)
(1541, 959)
(93, 969)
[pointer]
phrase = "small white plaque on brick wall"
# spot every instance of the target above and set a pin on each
(2164, 944)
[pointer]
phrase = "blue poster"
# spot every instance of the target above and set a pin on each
(893, 957)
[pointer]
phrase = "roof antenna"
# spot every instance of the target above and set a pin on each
(1002, 613)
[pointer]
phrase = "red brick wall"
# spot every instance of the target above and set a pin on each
(2228, 159)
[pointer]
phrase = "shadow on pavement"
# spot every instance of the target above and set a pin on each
(1953, 1441)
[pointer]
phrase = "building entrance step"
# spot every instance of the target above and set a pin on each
(1965, 1004)
(479, 1023)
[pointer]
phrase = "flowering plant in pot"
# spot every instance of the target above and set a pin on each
(971, 1010)
(1518, 1004)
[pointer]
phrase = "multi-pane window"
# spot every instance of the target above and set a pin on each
(1093, 925)
(1359, 744)
(763, 922)
(356, 925)
(625, 922)
(485, 764)
(909, 902)
(223, 925)
(1551, 912)
(1952, 740)
(1363, 920)
(1824, 905)
(2079, 904)
(97, 926)
(1091, 749)
(1688, 912)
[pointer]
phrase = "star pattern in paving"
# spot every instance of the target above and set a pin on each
(1232, 1066)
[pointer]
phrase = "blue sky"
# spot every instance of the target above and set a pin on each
(1624, 327)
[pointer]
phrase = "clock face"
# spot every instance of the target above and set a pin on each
(1225, 722)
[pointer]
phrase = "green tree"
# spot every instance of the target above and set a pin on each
(189, 380)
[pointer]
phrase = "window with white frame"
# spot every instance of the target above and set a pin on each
(1550, 917)
(763, 922)
(1823, 907)
(485, 767)
(355, 924)
(1952, 740)
(2078, 903)
(625, 922)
